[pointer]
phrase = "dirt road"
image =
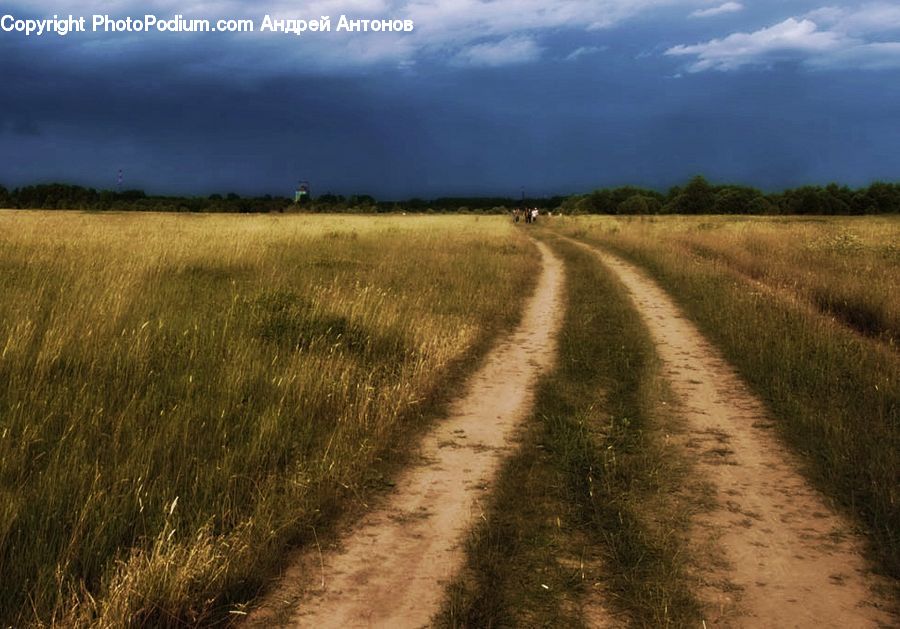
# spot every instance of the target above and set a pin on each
(786, 558)
(392, 569)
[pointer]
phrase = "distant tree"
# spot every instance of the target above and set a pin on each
(618, 196)
(56, 196)
(570, 205)
(330, 199)
(673, 194)
(761, 206)
(216, 203)
(639, 204)
(131, 195)
(5, 199)
(599, 202)
(584, 205)
(812, 200)
(635, 204)
(105, 200)
(842, 195)
(363, 202)
(697, 197)
(882, 197)
(233, 196)
(738, 200)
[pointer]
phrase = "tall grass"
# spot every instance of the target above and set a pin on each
(834, 390)
(589, 517)
(848, 269)
(183, 397)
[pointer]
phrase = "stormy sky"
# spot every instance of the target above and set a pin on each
(482, 97)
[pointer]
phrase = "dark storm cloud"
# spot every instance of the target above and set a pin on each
(171, 129)
(471, 108)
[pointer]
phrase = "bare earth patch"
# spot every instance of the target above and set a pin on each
(393, 567)
(781, 556)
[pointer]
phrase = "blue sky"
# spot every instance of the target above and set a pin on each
(483, 97)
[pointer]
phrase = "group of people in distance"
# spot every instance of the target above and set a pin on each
(530, 214)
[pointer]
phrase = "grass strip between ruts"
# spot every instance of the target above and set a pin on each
(588, 517)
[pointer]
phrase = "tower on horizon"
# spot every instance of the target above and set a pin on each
(301, 195)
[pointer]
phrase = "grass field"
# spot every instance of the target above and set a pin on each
(184, 397)
(807, 310)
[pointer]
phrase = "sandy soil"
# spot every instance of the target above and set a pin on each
(393, 567)
(785, 558)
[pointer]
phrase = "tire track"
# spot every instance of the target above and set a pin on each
(786, 558)
(393, 567)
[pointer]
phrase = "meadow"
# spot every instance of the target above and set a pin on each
(185, 397)
(807, 310)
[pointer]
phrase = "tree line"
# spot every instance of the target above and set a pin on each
(367, 203)
(58, 196)
(698, 196)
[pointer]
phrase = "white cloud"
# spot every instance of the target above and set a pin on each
(448, 30)
(739, 49)
(868, 18)
(499, 32)
(473, 19)
(829, 37)
(825, 15)
(728, 7)
(584, 51)
(512, 50)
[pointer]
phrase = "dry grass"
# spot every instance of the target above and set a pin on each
(847, 268)
(183, 397)
(808, 311)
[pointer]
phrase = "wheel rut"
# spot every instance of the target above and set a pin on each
(392, 568)
(782, 557)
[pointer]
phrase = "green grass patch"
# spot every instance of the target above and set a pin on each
(183, 399)
(834, 392)
(590, 511)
